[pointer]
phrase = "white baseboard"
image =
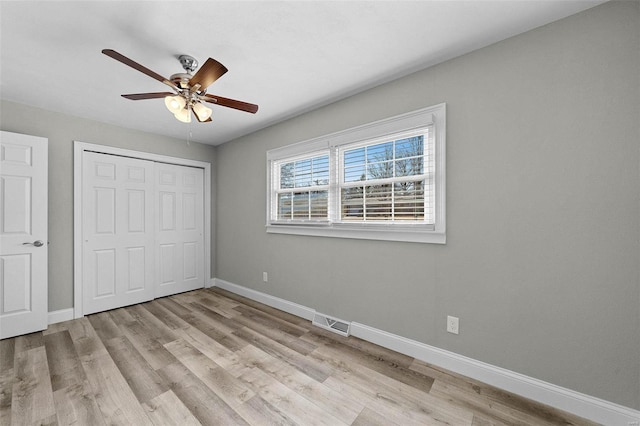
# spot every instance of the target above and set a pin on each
(60, 315)
(582, 405)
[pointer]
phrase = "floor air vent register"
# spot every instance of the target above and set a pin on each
(332, 324)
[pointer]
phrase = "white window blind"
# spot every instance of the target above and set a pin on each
(302, 192)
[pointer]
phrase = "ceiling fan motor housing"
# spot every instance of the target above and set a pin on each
(189, 63)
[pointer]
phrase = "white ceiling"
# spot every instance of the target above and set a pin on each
(287, 56)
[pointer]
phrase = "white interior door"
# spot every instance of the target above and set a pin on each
(118, 231)
(23, 234)
(180, 233)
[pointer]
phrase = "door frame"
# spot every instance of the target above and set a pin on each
(78, 149)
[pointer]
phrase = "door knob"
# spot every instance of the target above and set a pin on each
(36, 243)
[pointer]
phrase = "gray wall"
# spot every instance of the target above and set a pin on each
(62, 130)
(543, 211)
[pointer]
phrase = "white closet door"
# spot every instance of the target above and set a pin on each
(179, 227)
(118, 231)
(23, 234)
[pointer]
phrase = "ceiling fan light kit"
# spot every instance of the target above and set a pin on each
(189, 91)
(175, 103)
(184, 115)
(202, 112)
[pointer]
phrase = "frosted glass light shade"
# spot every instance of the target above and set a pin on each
(175, 103)
(184, 115)
(202, 111)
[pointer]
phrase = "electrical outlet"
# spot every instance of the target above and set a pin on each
(453, 325)
(265, 277)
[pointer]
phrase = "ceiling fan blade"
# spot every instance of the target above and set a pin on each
(230, 103)
(209, 72)
(141, 96)
(133, 64)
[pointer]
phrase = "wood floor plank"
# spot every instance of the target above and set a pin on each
(32, 397)
(215, 377)
(369, 417)
(147, 343)
(85, 339)
(232, 391)
(376, 363)
(76, 405)
(27, 342)
(269, 321)
(104, 326)
(384, 391)
(168, 318)
(295, 406)
(261, 412)
(203, 403)
(161, 333)
(7, 354)
(216, 352)
(222, 323)
(490, 403)
(317, 371)
(342, 407)
(117, 402)
(222, 306)
(322, 337)
(292, 341)
(208, 327)
(6, 394)
(222, 294)
(145, 383)
(166, 409)
(64, 363)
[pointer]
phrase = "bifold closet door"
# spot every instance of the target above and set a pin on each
(118, 231)
(179, 229)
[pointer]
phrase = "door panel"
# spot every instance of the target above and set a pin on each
(23, 221)
(118, 231)
(180, 226)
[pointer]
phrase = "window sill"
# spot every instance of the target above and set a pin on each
(406, 234)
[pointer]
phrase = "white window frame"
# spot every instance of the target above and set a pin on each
(433, 117)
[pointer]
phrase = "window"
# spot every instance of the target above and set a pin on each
(384, 180)
(303, 189)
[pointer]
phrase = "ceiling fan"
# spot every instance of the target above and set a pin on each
(189, 91)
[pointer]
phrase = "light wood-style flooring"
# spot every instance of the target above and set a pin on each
(214, 358)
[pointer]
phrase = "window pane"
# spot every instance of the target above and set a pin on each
(410, 147)
(380, 152)
(354, 156)
(378, 202)
(318, 202)
(303, 173)
(286, 175)
(380, 170)
(320, 170)
(300, 205)
(354, 165)
(354, 173)
(352, 203)
(409, 201)
(284, 206)
(410, 166)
